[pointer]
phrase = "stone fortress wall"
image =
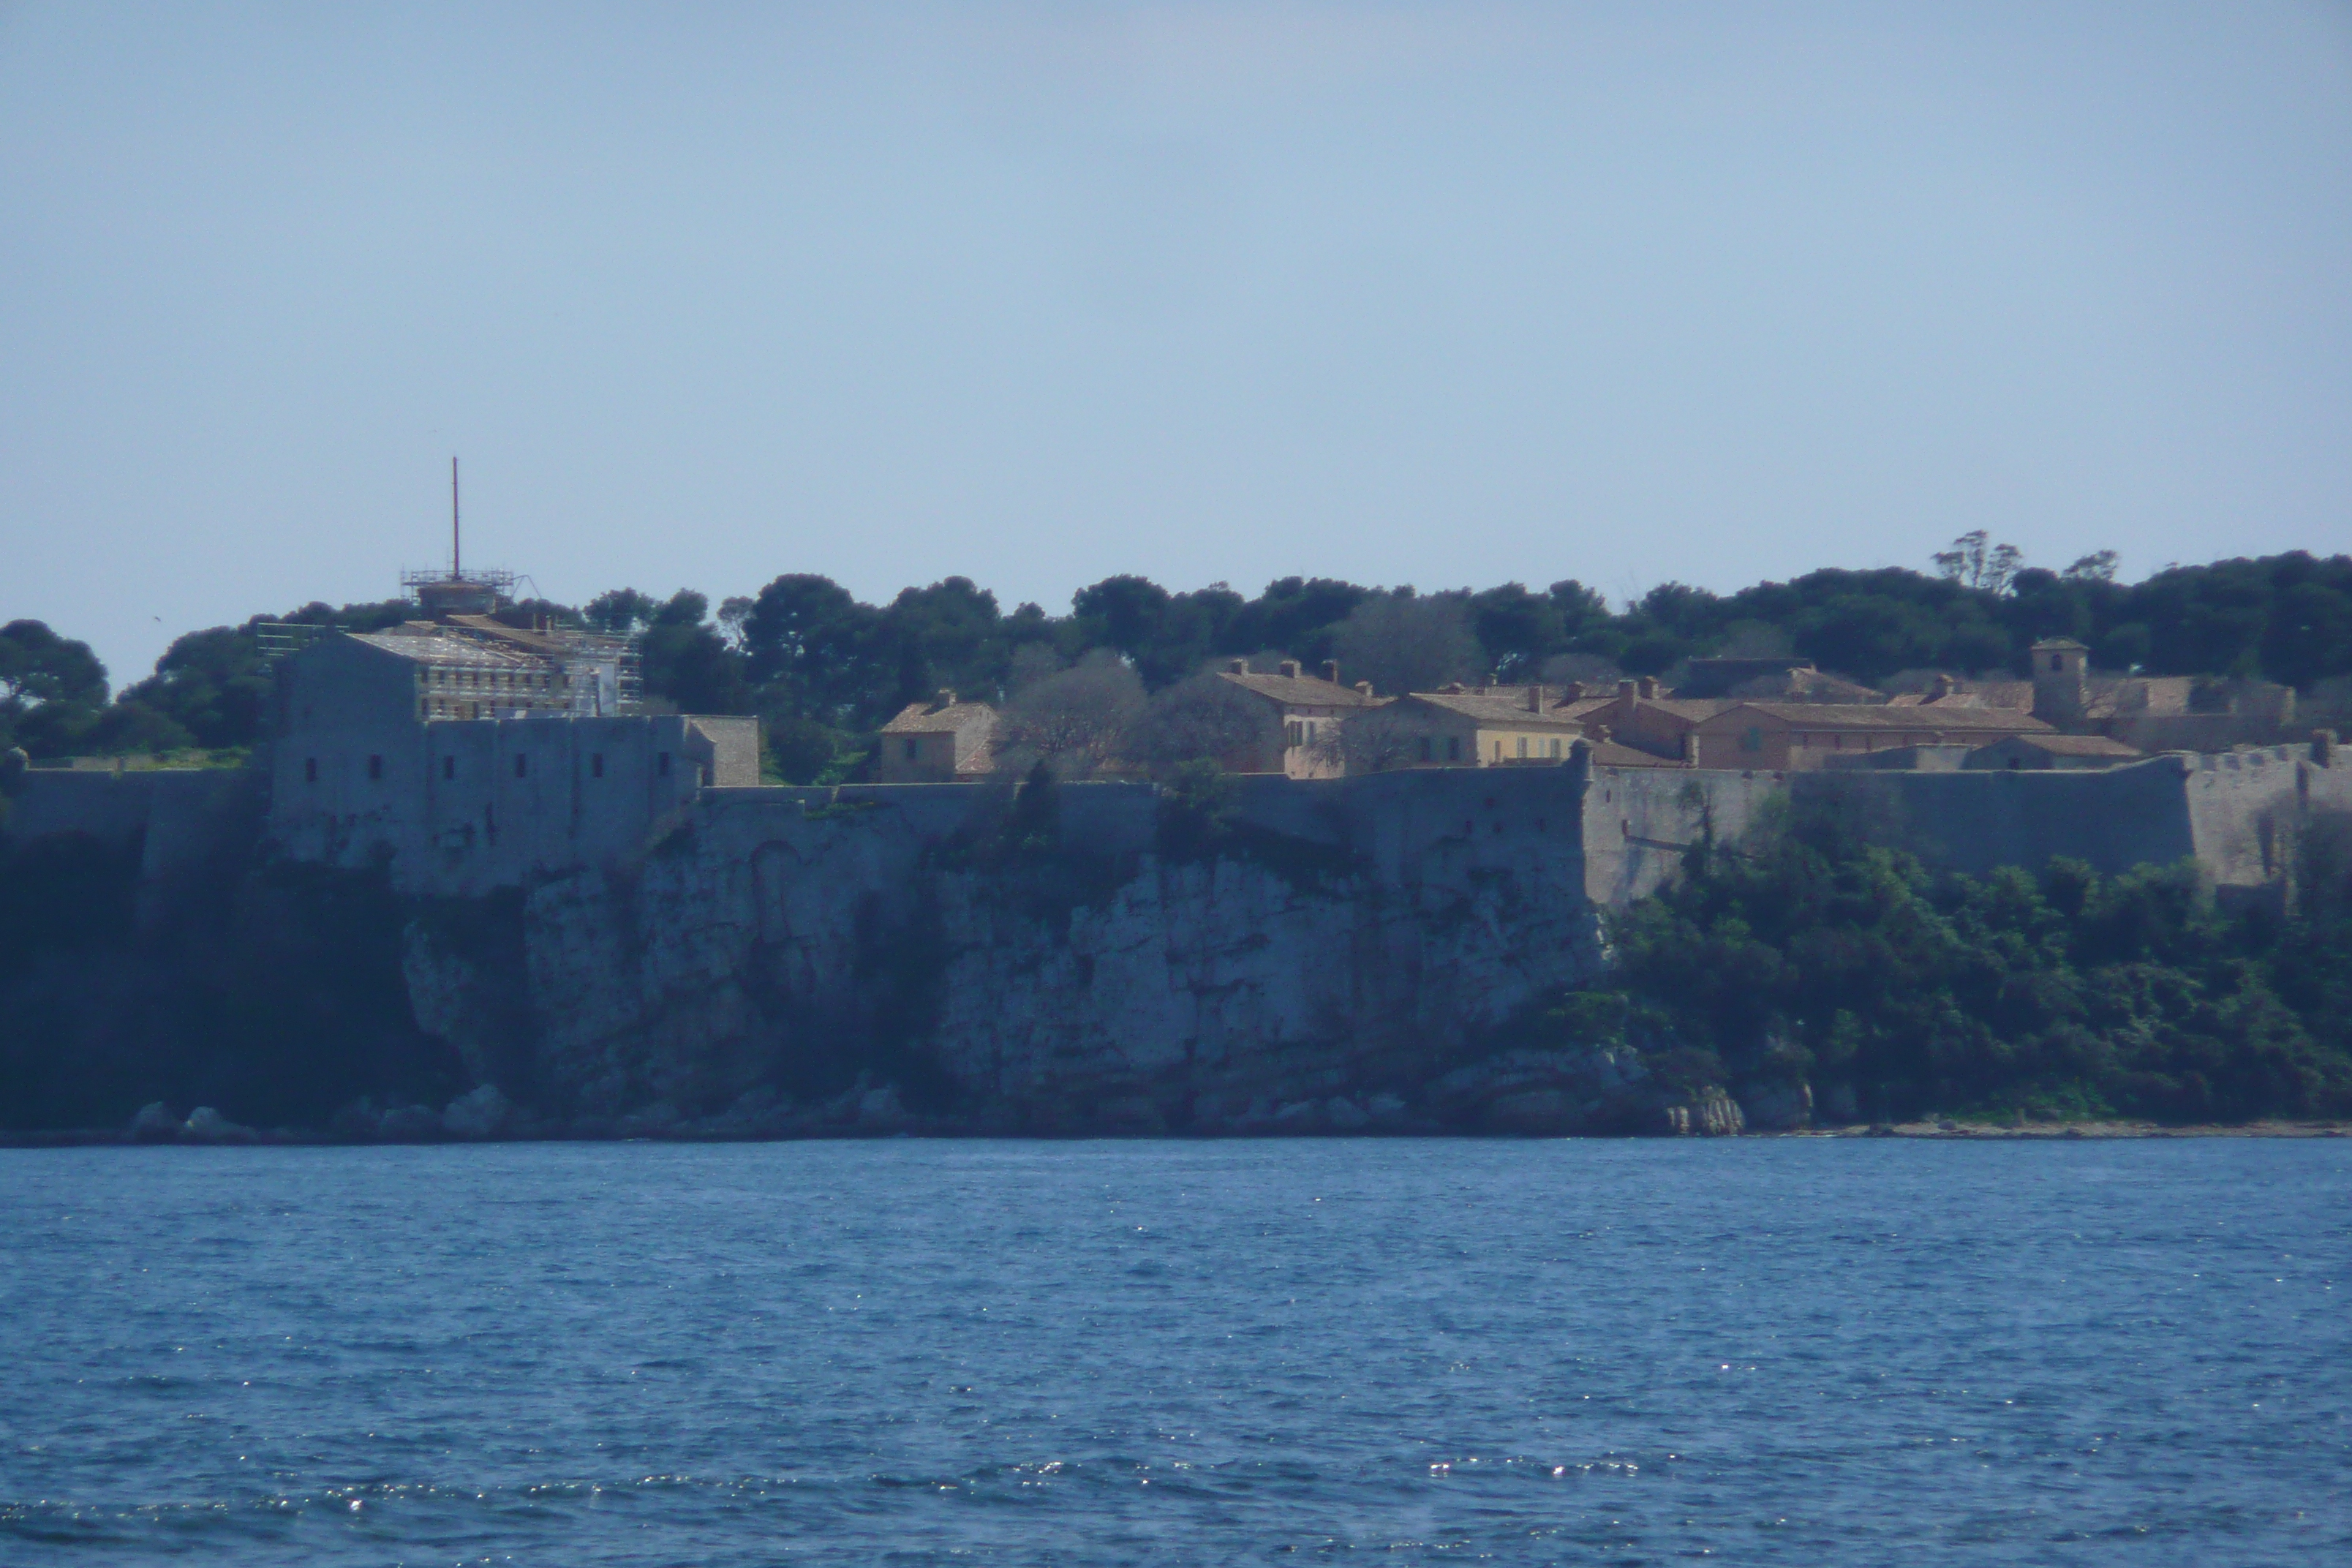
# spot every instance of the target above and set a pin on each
(680, 940)
(466, 808)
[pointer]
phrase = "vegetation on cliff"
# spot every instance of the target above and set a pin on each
(823, 670)
(1807, 949)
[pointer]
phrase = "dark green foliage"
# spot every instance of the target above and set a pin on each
(812, 660)
(52, 689)
(1808, 948)
(1196, 808)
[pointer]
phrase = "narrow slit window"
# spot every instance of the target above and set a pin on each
(596, 765)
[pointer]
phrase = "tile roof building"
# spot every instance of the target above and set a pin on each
(2047, 751)
(1298, 732)
(1784, 736)
(938, 742)
(1492, 727)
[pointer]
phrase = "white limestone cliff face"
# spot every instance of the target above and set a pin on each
(1136, 993)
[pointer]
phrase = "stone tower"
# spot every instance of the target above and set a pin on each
(2061, 680)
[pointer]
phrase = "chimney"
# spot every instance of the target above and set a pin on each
(1363, 687)
(1535, 699)
(1451, 688)
(1289, 666)
(1572, 692)
(1236, 666)
(1331, 670)
(1598, 732)
(1648, 688)
(1624, 691)
(1940, 687)
(947, 698)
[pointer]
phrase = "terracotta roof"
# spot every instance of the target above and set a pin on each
(1699, 709)
(2076, 745)
(2016, 696)
(1495, 709)
(932, 719)
(1300, 691)
(1856, 716)
(2060, 642)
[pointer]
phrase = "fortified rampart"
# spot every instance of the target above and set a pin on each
(1072, 961)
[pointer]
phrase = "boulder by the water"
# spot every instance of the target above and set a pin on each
(1711, 1114)
(482, 1113)
(206, 1125)
(409, 1124)
(155, 1123)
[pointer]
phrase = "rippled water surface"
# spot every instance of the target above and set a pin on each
(1783, 1351)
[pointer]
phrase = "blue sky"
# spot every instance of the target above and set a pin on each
(1436, 294)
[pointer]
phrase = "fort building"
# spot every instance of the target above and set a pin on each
(1458, 727)
(1796, 736)
(1299, 719)
(477, 744)
(938, 742)
(2045, 752)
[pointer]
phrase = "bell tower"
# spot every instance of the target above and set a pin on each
(2060, 679)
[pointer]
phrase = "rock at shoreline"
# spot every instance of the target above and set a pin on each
(1709, 1114)
(205, 1125)
(155, 1123)
(483, 1113)
(409, 1124)
(1779, 1107)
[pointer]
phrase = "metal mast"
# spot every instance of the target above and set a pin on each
(456, 559)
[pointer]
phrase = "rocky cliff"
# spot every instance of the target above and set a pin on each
(841, 967)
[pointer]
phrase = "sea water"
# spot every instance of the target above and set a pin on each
(1782, 1351)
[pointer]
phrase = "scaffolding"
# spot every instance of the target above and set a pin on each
(497, 579)
(275, 639)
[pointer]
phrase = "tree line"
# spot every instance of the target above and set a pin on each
(823, 670)
(1812, 950)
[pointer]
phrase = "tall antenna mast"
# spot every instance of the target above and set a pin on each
(457, 559)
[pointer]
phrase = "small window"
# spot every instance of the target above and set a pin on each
(1498, 751)
(1452, 748)
(375, 767)
(1751, 739)
(522, 764)
(596, 764)
(1554, 746)
(448, 767)
(1427, 751)
(309, 770)
(2054, 662)
(661, 764)
(914, 750)
(1523, 747)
